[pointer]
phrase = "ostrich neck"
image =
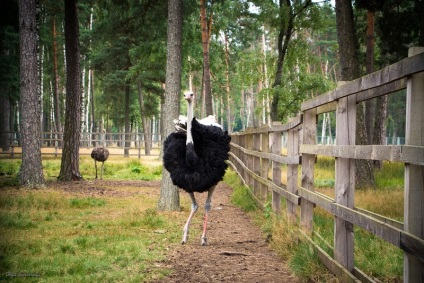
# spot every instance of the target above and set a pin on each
(189, 120)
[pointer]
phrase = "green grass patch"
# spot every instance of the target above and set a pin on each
(240, 196)
(86, 202)
(374, 256)
(64, 237)
(115, 168)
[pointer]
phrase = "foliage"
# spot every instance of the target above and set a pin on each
(9, 58)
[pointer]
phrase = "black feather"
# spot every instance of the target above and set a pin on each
(199, 166)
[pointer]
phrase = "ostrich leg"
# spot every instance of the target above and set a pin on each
(101, 171)
(187, 225)
(207, 209)
(95, 165)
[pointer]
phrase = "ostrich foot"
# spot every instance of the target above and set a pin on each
(185, 237)
(204, 241)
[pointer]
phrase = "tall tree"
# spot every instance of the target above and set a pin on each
(31, 172)
(375, 109)
(349, 63)
(288, 12)
(69, 169)
(9, 69)
(56, 95)
(169, 195)
(206, 28)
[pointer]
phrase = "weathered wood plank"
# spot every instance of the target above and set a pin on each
(257, 164)
(328, 107)
(412, 245)
(414, 174)
(381, 90)
(362, 276)
(376, 227)
(276, 169)
(403, 153)
(336, 268)
(257, 201)
(316, 198)
(344, 187)
(389, 221)
(296, 121)
(271, 156)
(249, 158)
(399, 70)
(264, 165)
(308, 165)
(280, 190)
(292, 172)
(412, 154)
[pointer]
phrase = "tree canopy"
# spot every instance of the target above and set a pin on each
(265, 58)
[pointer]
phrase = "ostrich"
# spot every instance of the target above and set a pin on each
(195, 157)
(100, 154)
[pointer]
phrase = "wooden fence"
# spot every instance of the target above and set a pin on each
(256, 149)
(117, 143)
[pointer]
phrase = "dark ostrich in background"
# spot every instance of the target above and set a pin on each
(100, 154)
(195, 158)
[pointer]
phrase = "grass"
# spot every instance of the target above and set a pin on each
(115, 168)
(50, 236)
(54, 235)
(374, 256)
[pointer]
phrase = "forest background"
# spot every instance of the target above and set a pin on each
(264, 59)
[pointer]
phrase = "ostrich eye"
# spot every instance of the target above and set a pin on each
(191, 94)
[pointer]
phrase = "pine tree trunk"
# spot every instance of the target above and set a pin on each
(364, 168)
(4, 121)
(380, 125)
(69, 169)
(370, 104)
(127, 121)
(206, 64)
(31, 171)
(169, 195)
(145, 123)
(56, 99)
(227, 85)
(349, 71)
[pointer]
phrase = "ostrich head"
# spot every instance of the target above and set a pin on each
(189, 96)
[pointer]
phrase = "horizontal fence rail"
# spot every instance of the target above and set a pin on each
(119, 144)
(257, 156)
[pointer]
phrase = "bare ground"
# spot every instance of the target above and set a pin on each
(236, 250)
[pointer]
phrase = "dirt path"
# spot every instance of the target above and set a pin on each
(236, 251)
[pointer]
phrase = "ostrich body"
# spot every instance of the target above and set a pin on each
(195, 157)
(100, 154)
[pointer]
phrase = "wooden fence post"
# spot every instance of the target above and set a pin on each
(308, 162)
(239, 154)
(265, 166)
(292, 175)
(242, 155)
(249, 158)
(276, 168)
(414, 174)
(345, 181)
(257, 165)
